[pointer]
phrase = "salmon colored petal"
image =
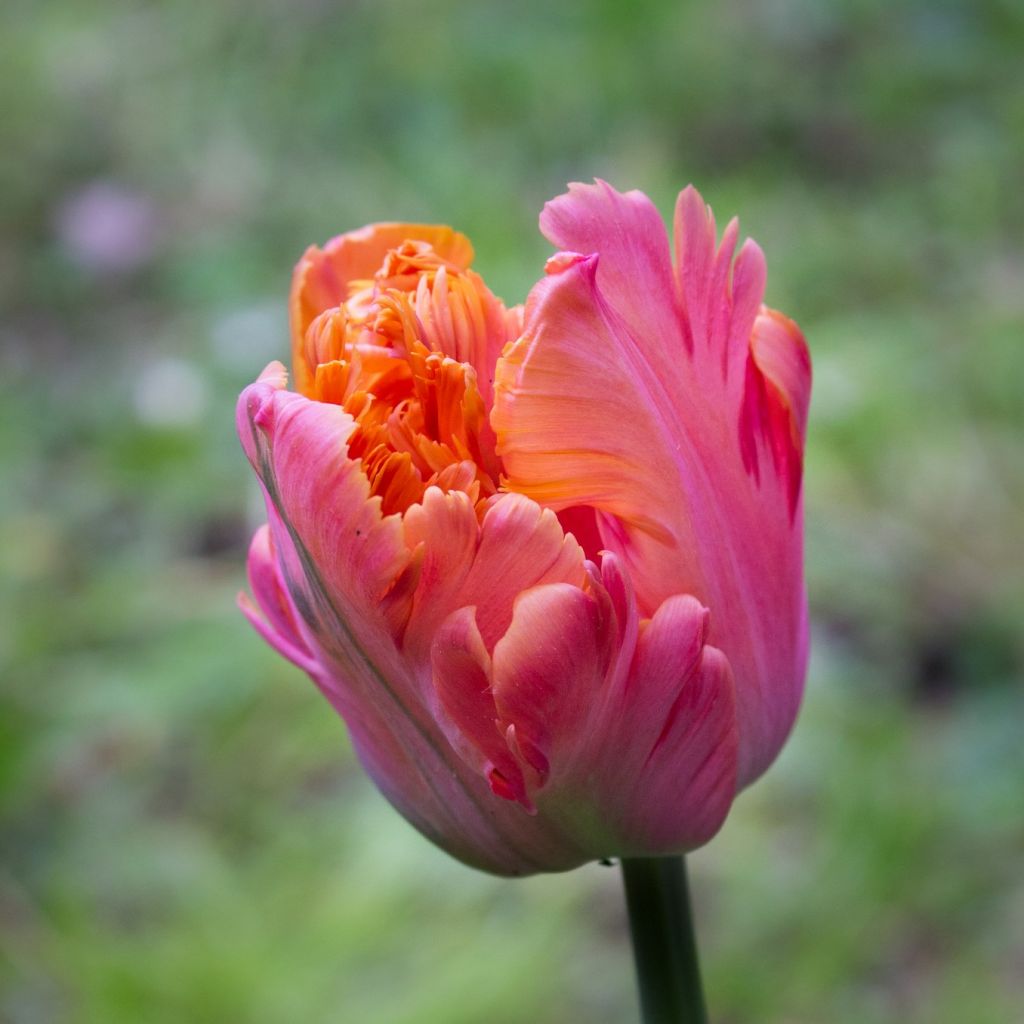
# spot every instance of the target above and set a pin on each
(484, 565)
(640, 762)
(578, 428)
(549, 669)
(664, 409)
(514, 322)
(322, 277)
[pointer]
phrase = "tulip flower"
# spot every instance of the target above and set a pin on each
(546, 563)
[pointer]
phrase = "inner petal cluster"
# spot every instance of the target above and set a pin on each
(401, 354)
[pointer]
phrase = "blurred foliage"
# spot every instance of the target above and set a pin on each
(183, 833)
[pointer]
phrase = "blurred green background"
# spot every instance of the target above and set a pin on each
(184, 835)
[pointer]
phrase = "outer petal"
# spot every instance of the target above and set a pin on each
(776, 393)
(672, 414)
(341, 564)
(273, 616)
(636, 762)
(635, 274)
(297, 448)
(322, 277)
(685, 785)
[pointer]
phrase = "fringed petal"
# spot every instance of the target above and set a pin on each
(672, 404)
(324, 277)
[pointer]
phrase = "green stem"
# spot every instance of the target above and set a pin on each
(664, 946)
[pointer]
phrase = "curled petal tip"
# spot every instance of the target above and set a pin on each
(275, 374)
(257, 399)
(563, 261)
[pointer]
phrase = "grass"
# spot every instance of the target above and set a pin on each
(184, 834)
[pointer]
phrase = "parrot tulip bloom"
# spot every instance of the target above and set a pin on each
(547, 565)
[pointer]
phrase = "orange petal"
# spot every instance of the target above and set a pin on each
(322, 277)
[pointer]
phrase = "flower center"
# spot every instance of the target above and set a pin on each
(398, 355)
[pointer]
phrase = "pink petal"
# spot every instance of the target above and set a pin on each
(273, 616)
(775, 398)
(549, 669)
(635, 271)
(640, 761)
(298, 449)
(647, 394)
(341, 563)
(685, 786)
(462, 676)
